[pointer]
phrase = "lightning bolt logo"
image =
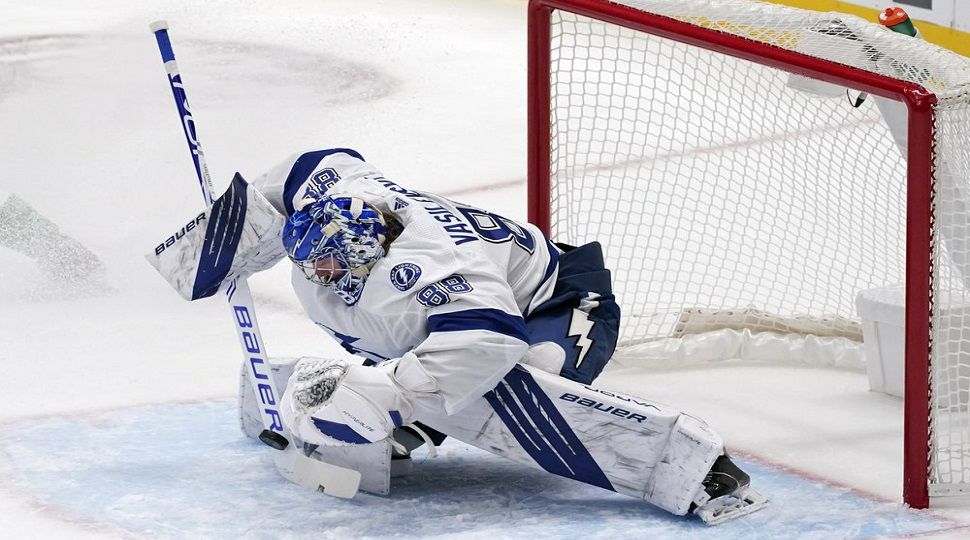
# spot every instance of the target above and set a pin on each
(580, 326)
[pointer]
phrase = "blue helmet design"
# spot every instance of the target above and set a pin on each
(335, 240)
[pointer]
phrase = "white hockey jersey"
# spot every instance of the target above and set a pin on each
(452, 289)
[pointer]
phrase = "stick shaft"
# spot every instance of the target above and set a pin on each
(291, 463)
(160, 29)
(237, 291)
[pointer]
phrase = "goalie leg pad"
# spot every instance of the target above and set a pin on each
(689, 454)
(623, 443)
(250, 420)
(372, 461)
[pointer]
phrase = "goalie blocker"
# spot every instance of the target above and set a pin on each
(614, 441)
(235, 237)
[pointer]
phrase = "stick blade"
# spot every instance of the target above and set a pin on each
(310, 473)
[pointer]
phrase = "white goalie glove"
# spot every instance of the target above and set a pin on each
(332, 402)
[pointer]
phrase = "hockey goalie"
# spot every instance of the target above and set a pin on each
(471, 326)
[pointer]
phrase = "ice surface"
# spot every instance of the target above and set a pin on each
(115, 421)
(184, 470)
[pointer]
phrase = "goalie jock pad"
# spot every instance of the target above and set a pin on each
(237, 236)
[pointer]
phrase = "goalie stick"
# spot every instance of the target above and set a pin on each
(291, 463)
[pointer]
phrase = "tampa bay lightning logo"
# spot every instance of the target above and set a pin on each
(405, 275)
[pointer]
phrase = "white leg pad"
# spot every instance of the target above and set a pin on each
(372, 461)
(641, 448)
(250, 421)
(689, 454)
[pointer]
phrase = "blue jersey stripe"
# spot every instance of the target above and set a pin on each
(541, 430)
(493, 320)
(222, 236)
(302, 167)
(553, 261)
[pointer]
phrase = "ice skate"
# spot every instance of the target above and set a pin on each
(728, 494)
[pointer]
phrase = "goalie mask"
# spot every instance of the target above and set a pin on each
(334, 241)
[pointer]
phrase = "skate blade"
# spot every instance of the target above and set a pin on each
(730, 507)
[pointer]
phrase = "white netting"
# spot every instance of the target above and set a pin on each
(716, 184)
(721, 185)
(950, 334)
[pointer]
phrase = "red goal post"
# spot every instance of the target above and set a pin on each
(919, 171)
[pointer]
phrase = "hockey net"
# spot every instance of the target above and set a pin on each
(751, 168)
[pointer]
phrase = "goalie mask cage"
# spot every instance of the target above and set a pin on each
(715, 149)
